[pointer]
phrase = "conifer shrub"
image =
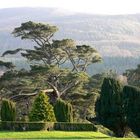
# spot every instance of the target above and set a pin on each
(8, 112)
(42, 110)
(63, 111)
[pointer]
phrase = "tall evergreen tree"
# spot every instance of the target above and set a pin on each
(109, 109)
(132, 107)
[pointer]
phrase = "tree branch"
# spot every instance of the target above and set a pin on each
(69, 87)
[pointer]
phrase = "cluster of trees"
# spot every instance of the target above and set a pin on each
(118, 107)
(41, 110)
(57, 64)
(61, 65)
(133, 76)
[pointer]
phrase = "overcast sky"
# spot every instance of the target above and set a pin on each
(86, 6)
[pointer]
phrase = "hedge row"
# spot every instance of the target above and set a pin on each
(26, 126)
(74, 126)
(32, 126)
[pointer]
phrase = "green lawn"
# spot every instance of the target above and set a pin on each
(56, 135)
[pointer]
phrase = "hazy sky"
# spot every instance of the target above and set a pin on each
(88, 6)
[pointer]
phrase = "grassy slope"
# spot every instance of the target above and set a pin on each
(56, 135)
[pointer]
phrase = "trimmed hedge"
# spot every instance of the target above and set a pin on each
(74, 126)
(34, 126)
(26, 126)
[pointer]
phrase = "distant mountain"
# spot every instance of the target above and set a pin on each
(114, 36)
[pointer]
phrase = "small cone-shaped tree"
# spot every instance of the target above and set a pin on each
(8, 110)
(63, 111)
(42, 110)
(109, 108)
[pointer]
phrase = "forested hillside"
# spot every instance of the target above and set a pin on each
(113, 36)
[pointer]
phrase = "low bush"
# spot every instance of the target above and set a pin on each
(104, 130)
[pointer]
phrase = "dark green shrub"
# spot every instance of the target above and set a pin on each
(74, 126)
(63, 111)
(109, 107)
(8, 112)
(132, 107)
(42, 110)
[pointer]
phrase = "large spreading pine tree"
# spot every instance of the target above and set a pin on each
(42, 110)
